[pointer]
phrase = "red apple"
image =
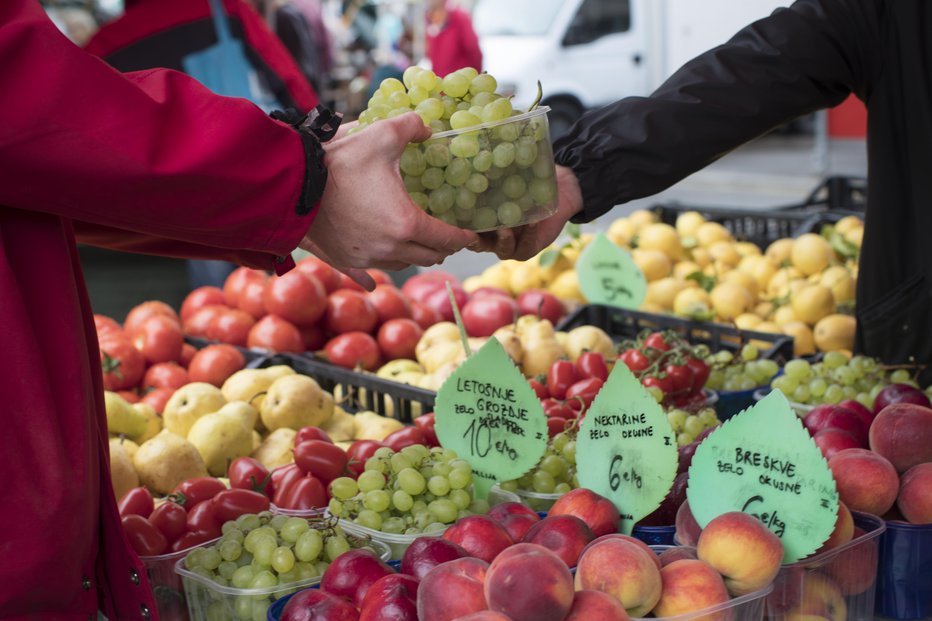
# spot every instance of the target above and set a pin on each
(596, 511)
(352, 573)
(316, 605)
(564, 535)
(899, 393)
(452, 590)
(391, 598)
(389, 303)
(484, 315)
(831, 441)
(425, 553)
(439, 300)
(480, 536)
(541, 304)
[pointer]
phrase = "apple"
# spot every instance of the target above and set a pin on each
(831, 441)
(528, 582)
(439, 300)
(820, 599)
(317, 605)
(352, 573)
(541, 304)
(689, 586)
(425, 553)
(484, 315)
(903, 434)
(899, 393)
(623, 570)
(517, 518)
(665, 514)
(866, 481)
(598, 512)
(452, 590)
(418, 287)
(480, 536)
(915, 497)
(390, 598)
(742, 549)
(564, 535)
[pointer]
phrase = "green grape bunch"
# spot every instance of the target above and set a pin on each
(487, 165)
(744, 371)
(554, 474)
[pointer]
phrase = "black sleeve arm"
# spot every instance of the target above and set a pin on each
(809, 56)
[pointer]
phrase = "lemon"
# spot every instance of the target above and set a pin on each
(684, 268)
(711, 232)
(762, 271)
(779, 251)
(835, 332)
(688, 223)
(747, 249)
(497, 275)
(566, 287)
(784, 315)
(730, 299)
(701, 257)
(813, 302)
(654, 264)
(745, 280)
(650, 307)
(661, 237)
(781, 278)
(855, 236)
(663, 292)
(764, 309)
(840, 281)
(724, 252)
(747, 321)
(561, 264)
(791, 288)
(803, 342)
(811, 254)
(621, 232)
(524, 277)
(641, 218)
(848, 223)
(692, 302)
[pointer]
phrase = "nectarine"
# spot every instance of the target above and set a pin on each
(866, 481)
(743, 550)
(915, 498)
(689, 586)
(528, 582)
(622, 570)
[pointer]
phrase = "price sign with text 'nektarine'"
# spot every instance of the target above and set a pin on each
(488, 413)
(608, 275)
(626, 449)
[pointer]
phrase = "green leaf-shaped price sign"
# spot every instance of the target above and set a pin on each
(608, 275)
(488, 413)
(626, 449)
(763, 462)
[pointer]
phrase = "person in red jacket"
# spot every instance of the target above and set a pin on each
(451, 41)
(150, 162)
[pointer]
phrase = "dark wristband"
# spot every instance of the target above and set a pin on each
(316, 127)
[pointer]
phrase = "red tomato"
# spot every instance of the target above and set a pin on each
(326, 275)
(324, 460)
(187, 353)
(171, 519)
(397, 440)
(390, 303)
(358, 452)
(189, 540)
(539, 389)
(700, 373)
(558, 409)
(352, 350)
(141, 312)
(232, 503)
(349, 311)
(237, 280)
(198, 323)
(313, 337)
(305, 493)
(427, 424)
(348, 283)
(194, 491)
(283, 478)
(311, 433)
(129, 395)
(681, 377)
(215, 363)
(274, 333)
(248, 473)
(399, 337)
(379, 276)
(297, 297)
(137, 501)
(664, 384)
(483, 315)
(122, 363)
(562, 375)
(656, 341)
(145, 538)
(159, 339)
(635, 360)
(199, 298)
(201, 519)
(541, 304)
(165, 375)
(104, 325)
(585, 390)
(252, 299)
(231, 326)
(157, 398)
(592, 364)
(555, 425)
(424, 315)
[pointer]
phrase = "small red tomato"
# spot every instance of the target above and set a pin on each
(189, 540)
(232, 503)
(352, 350)
(283, 478)
(201, 519)
(358, 452)
(592, 364)
(324, 460)
(563, 411)
(560, 376)
(398, 338)
(171, 519)
(539, 389)
(584, 390)
(664, 384)
(656, 341)
(311, 433)
(555, 425)
(305, 493)
(137, 501)
(681, 377)
(397, 440)
(145, 538)
(635, 360)
(700, 373)
(193, 492)
(248, 473)
(427, 424)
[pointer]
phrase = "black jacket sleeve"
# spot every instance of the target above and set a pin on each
(809, 56)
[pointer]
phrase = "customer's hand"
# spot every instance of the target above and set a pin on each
(524, 242)
(366, 218)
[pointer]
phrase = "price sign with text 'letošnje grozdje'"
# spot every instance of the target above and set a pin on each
(488, 413)
(608, 275)
(626, 449)
(764, 463)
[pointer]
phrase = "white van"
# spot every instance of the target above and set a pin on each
(587, 53)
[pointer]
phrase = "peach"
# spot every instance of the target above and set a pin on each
(902, 433)
(687, 528)
(480, 536)
(865, 480)
(564, 535)
(622, 570)
(743, 550)
(451, 590)
(843, 531)
(633, 540)
(528, 582)
(678, 553)
(689, 586)
(596, 606)
(787, 591)
(854, 569)
(915, 498)
(596, 511)
(485, 615)
(820, 599)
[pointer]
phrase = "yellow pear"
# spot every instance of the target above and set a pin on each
(803, 341)
(813, 302)
(220, 438)
(555, 267)
(256, 441)
(511, 343)
(242, 410)
(524, 277)
(249, 384)
(341, 426)
(566, 287)
(371, 426)
(277, 449)
(589, 338)
(444, 331)
(538, 354)
(498, 275)
(295, 401)
(166, 460)
(153, 422)
(122, 418)
(122, 473)
(472, 283)
(835, 332)
(188, 404)
(130, 447)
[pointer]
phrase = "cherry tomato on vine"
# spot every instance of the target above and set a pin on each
(284, 477)
(311, 433)
(305, 493)
(427, 424)
(171, 519)
(248, 473)
(681, 378)
(700, 373)
(656, 341)
(137, 501)
(584, 390)
(358, 452)
(201, 519)
(146, 539)
(560, 376)
(193, 492)
(232, 503)
(558, 409)
(592, 364)
(635, 360)
(664, 384)
(555, 425)
(324, 460)
(539, 389)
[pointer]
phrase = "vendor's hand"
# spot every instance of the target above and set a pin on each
(524, 242)
(366, 218)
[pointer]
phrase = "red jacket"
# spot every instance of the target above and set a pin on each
(150, 162)
(455, 46)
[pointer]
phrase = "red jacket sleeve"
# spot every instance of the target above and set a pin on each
(150, 153)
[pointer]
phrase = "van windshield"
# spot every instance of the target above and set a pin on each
(515, 18)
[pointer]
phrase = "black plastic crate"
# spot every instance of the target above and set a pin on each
(623, 324)
(760, 227)
(840, 193)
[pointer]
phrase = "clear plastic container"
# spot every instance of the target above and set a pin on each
(166, 585)
(841, 581)
(535, 500)
(490, 176)
(209, 601)
(904, 576)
